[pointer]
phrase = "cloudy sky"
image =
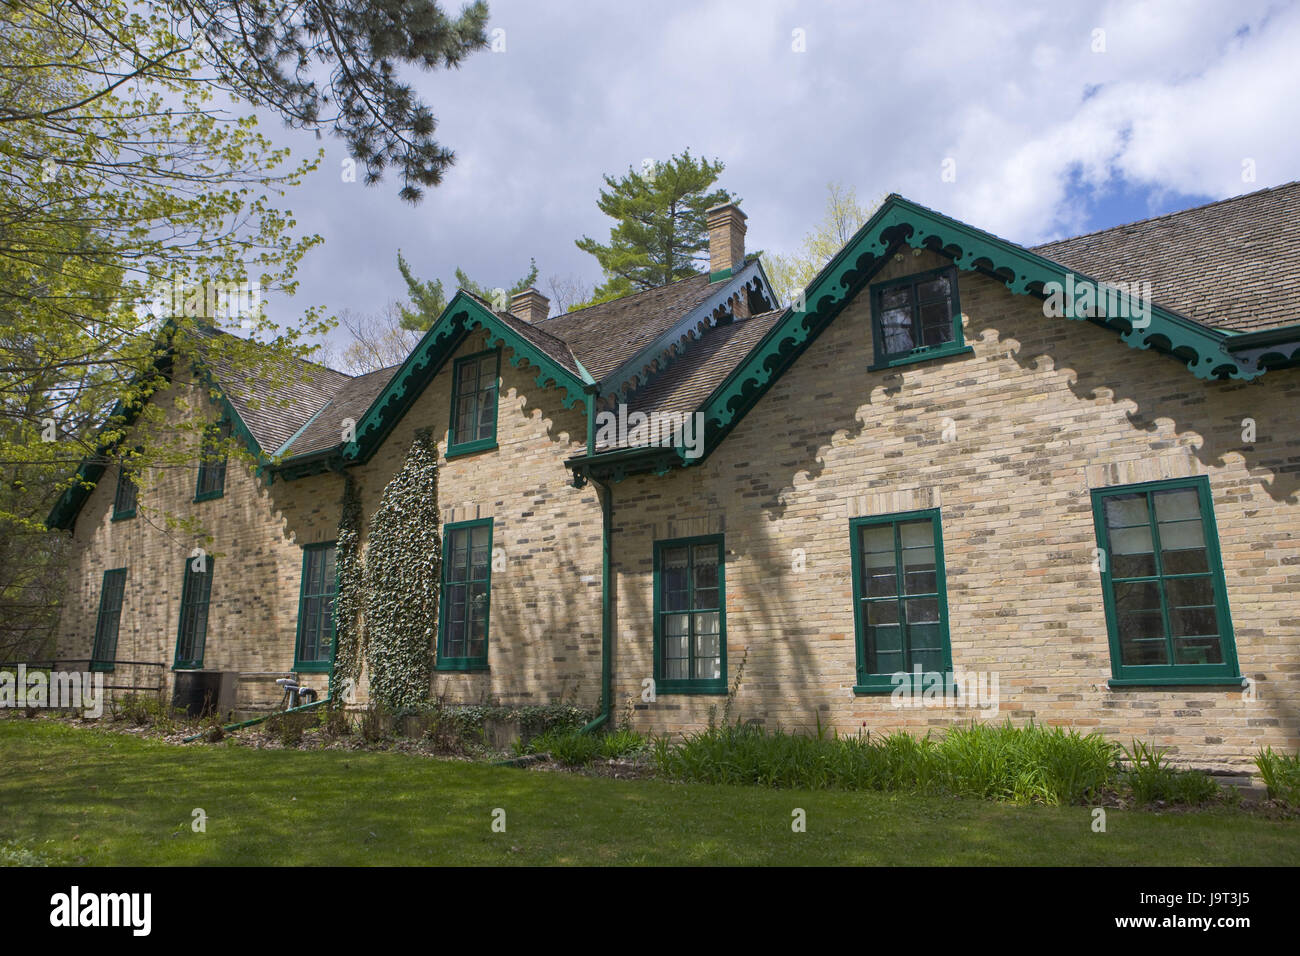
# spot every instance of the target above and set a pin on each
(1056, 118)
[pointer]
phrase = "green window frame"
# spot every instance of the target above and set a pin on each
(1162, 580)
(690, 615)
(109, 620)
(211, 481)
(192, 631)
(916, 318)
(126, 495)
(900, 599)
(315, 641)
(474, 387)
(466, 599)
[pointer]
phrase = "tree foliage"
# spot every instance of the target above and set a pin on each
(843, 216)
(428, 300)
(659, 231)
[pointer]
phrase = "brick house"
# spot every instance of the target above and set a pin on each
(1063, 480)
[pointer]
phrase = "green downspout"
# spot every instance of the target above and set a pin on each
(257, 720)
(606, 496)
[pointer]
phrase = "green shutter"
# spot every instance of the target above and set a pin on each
(1163, 586)
(109, 620)
(315, 640)
(474, 399)
(124, 498)
(690, 616)
(900, 599)
(466, 598)
(192, 632)
(211, 481)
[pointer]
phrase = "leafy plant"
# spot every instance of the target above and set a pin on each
(1152, 779)
(1281, 775)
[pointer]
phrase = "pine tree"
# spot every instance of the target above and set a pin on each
(428, 298)
(660, 232)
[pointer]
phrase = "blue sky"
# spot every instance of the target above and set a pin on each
(1052, 127)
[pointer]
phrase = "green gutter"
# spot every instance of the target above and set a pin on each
(606, 496)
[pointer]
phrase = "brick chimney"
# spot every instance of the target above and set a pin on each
(530, 305)
(726, 239)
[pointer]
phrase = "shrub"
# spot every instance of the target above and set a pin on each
(1281, 775)
(569, 747)
(1022, 764)
(290, 727)
(1151, 779)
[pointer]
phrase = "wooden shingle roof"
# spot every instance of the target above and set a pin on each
(1232, 264)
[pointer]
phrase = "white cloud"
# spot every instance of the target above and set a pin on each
(883, 94)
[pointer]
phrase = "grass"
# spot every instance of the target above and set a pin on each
(75, 796)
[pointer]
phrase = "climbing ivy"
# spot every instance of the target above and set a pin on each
(403, 570)
(351, 593)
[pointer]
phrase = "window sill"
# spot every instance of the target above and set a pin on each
(98, 667)
(1123, 682)
(209, 496)
(669, 688)
(912, 359)
(188, 667)
(462, 666)
(124, 516)
(471, 448)
(914, 684)
(311, 667)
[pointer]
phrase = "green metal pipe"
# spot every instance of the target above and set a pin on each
(257, 720)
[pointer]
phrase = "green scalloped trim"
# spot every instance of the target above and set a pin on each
(462, 316)
(900, 222)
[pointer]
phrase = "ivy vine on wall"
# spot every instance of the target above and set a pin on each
(403, 568)
(350, 598)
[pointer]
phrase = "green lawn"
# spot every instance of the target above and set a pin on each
(81, 797)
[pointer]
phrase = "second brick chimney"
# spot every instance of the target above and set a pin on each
(530, 305)
(726, 239)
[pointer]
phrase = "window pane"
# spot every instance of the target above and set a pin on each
(922, 610)
(1125, 511)
(935, 289)
(936, 323)
(1181, 505)
(1132, 553)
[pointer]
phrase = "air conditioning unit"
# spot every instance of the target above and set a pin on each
(200, 693)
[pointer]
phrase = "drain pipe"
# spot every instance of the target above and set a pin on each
(606, 496)
(257, 720)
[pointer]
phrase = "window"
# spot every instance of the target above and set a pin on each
(466, 595)
(690, 603)
(195, 595)
(110, 618)
(474, 404)
(212, 463)
(1166, 603)
(316, 609)
(125, 497)
(916, 318)
(900, 599)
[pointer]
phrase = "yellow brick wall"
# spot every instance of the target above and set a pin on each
(545, 617)
(1044, 410)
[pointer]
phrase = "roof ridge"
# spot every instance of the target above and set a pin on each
(320, 365)
(1166, 215)
(621, 298)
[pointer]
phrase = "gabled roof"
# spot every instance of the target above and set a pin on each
(605, 336)
(1230, 264)
(273, 408)
(1207, 351)
(263, 411)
